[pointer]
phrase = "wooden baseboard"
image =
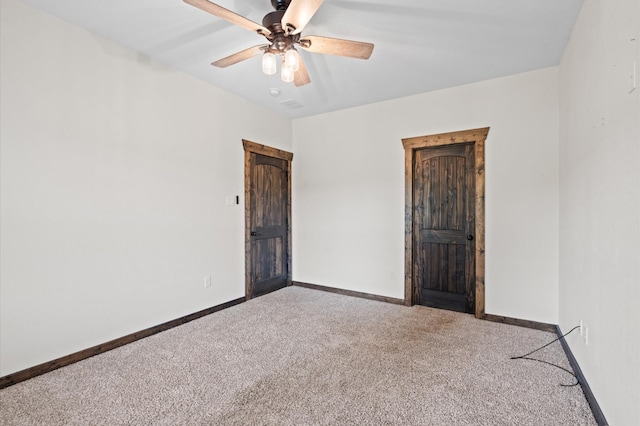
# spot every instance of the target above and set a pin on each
(350, 293)
(591, 399)
(46, 367)
(521, 323)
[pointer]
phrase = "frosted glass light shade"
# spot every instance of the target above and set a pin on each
(292, 60)
(287, 74)
(269, 63)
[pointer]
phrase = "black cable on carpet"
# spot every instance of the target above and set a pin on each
(526, 356)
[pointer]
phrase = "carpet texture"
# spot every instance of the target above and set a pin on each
(306, 357)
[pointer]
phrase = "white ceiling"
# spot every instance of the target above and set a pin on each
(420, 45)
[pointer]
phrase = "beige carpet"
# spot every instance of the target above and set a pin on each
(305, 357)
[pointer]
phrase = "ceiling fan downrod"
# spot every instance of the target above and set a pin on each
(280, 4)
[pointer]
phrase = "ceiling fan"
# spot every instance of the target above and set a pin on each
(282, 29)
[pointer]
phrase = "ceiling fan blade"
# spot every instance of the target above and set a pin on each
(239, 57)
(337, 46)
(228, 15)
(301, 77)
(299, 13)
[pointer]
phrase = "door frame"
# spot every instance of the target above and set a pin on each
(255, 148)
(477, 138)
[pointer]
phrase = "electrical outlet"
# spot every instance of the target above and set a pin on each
(586, 336)
(207, 282)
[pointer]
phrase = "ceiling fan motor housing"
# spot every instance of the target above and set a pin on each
(280, 41)
(273, 21)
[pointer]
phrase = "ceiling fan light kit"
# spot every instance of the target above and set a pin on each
(282, 29)
(269, 63)
(287, 74)
(292, 59)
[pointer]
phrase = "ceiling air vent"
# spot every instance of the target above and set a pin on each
(291, 104)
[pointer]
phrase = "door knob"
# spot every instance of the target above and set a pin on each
(254, 233)
(469, 237)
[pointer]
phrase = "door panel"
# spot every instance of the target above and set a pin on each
(269, 183)
(269, 253)
(443, 189)
(444, 267)
(268, 216)
(443, 227)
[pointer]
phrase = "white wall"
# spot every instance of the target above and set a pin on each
(348, 190)
(600, 203)
(114, 176)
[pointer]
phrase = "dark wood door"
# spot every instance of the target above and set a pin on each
(444, 224)
(269, 223)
